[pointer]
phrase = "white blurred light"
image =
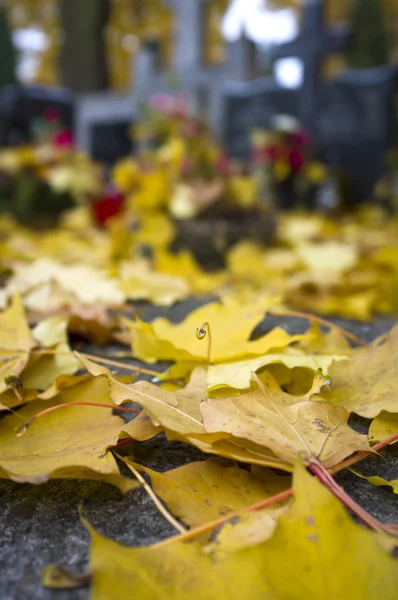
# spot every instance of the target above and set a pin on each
(289, 72)
(31, 42)
(259, 23)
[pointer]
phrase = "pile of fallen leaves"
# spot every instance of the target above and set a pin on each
(263, 516)
(269, 522)
(347, 268)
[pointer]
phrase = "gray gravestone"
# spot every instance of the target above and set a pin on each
(201, 84)
(314, 43)
(350, 117)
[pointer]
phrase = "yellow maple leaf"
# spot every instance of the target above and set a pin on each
(16, 341)
(367, 383)
(313, 535)
(230, 328)
(288, 425)
(70, 442)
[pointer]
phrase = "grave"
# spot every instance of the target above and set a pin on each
(351, 117)
(20, 105)
(201, 84)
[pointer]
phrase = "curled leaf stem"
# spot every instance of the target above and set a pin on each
(22, 429)
(316, 319)
(203, 331)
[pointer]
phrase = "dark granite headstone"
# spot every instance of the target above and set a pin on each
(350, 117)
(21, 105)
(252, 105)
(110, 141)
(315, 41)
(354, 123)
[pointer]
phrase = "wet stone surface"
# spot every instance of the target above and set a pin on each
(41, 525)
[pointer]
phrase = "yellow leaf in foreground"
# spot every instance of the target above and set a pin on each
(230, 329)
(368, 383)
(16, 341)
(73, 438)
(288, 425)
(317, 551)
(238, 374)
(200, 492)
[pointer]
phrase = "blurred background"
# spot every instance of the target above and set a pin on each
(300, 94)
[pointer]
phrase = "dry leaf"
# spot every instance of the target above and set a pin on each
(205, 491)
(72, 438)
(378, 481)
(86, 284)
(230, 329)
(238, 374)
(16, 341)
(288, 425)
(42, 371)
(367, 383)
(315, 534)
(383, 427)
(142, 284)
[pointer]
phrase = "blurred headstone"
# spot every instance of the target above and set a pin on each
(201, 84)
(350, 117)
(21, 105)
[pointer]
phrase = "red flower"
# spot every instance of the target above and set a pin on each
(51, 115)
(296, 160)
(111, 205)
(64, 139)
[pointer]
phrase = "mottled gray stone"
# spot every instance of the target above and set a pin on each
(40, 524)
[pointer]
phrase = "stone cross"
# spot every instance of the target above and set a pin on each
(202, 83)
(314, 43)
(189, 38)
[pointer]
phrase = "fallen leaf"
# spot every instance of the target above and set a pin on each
(338, 256)
(16, 341)
(143, 284)
(238, 374)
(230, 329)
(177, 411)
(72, 438)
(42, 371)
(87, 284)
(367, 383)
(141, 428)
(313, 535)
(204, 491)
(184, 265)
(378, 481)
(383, 427)
(288, 425)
